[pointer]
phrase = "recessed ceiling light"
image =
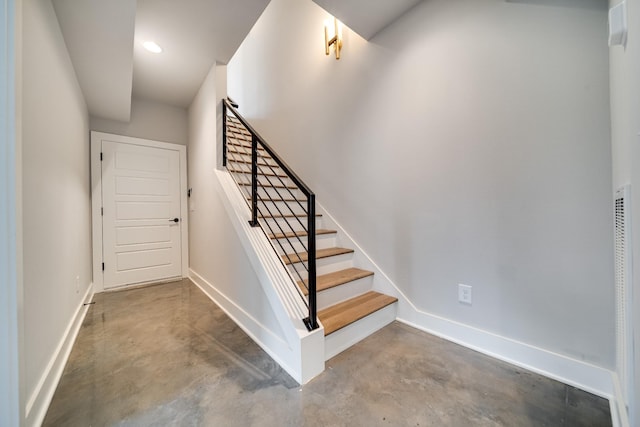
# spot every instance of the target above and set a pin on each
(152, 47)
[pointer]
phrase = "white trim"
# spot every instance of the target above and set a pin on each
(585, 376)
(271, 343)
(619, 415)
(38, 403)
(96, 199)
(10, 386)
(143, 284)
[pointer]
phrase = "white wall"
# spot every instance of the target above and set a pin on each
(467, 143)
(215, 252)
(10, 286)
(56, 196)
(625, 131)
(149, 120)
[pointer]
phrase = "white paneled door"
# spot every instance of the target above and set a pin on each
(141, 213)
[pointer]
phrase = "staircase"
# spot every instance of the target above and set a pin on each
(347, 306)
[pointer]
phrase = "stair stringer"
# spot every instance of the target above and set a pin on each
(303, 355)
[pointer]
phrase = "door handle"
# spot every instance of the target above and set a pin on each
(174, 220)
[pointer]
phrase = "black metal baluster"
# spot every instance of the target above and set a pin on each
(224, 134)
(254, 181)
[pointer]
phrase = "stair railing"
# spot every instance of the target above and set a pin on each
(269, 188)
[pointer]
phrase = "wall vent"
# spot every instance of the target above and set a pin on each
(624, 337)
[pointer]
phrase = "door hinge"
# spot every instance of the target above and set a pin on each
(100, 156)
(103, 266)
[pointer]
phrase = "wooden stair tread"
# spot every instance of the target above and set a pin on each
(235, 145)
(291, 234)
(337, 278)
(236, 124)
(248, 184)
(266, 200)
(245, 153)
(320, 253)
(261, 162)
(347, 312)
(238, 134)
(286, 216)
(238, 127)
(247, 172)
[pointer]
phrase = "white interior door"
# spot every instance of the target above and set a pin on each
(141, 201)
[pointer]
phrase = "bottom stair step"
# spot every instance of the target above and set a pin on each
(347, 312)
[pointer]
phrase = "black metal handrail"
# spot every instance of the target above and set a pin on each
(268, 191)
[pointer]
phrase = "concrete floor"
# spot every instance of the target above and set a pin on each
(166, 355)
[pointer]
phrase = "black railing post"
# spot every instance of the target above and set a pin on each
(254, 181)
(311, 243)
(224, 134)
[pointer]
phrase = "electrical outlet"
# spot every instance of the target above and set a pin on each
(464, 294)
(77, 284)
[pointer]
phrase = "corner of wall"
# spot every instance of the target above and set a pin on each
(619, 415)
(38, 402)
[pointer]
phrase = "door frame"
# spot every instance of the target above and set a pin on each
(96, 200)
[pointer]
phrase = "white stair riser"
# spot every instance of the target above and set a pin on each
(235, 159)
(238, 163)
(344, 338)
(285, 207)
(324, 265)
(263, 193)
(270, 193)
(323, 241)
(284, 225)
(245, 149)
(273, 193)
(344, 292)
(265, 165)
(263, 180)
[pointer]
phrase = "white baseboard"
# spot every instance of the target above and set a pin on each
(40, 399)
(584, 376)
(272, 344)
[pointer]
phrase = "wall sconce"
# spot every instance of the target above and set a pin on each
(336, 40)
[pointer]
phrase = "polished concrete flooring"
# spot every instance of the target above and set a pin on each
(166, 355)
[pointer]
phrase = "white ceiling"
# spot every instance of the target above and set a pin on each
(367, 17)
(99, 38)
(194, 34)
(104, 39)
